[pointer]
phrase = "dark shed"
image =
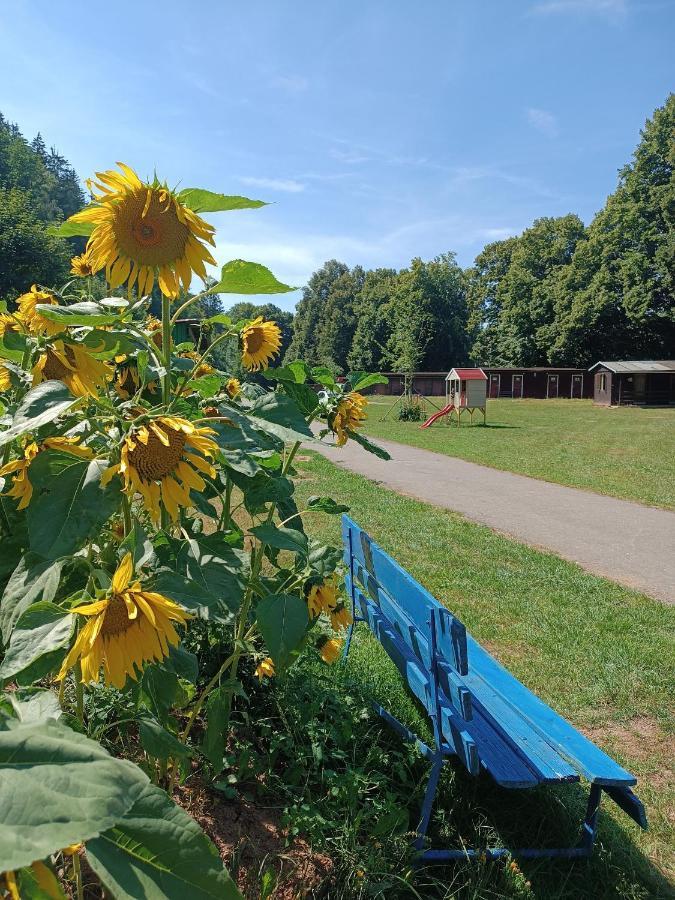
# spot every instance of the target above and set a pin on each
(634, 382)
(539, 382)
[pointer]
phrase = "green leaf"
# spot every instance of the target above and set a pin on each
(241, 277)
(240, 462)
(207, 386)
(303, 396)
(105, 344)
(296, 372)
(12, 346)
(86, 313)
(220, 319)
(280, 416)
(326, 505)
(34, 579)
(324, 376)
(71, 229)
(211, 564)
(41, 632)
(69, 507)
(324, 559)
(157, 741)
(182, 663)
(217, 709)
(57, 787)
(375, 449)
(361, 380)
(35, 704)
(157, 852)
(41, 405)
(282, 620)
(199, 201)
(281, 538)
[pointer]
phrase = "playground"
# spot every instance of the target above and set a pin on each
(625, 452)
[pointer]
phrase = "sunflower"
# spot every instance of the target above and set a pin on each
(46, 881)
(81, 265)
(127, 381)
(260, 341)
(329, 649)
(199, 370)
(160, 463)
(22, 489)
(36, 323)
(233, 388)
(143, 229)
(126, 628)
(266, 668)
(10, 322)
(348, 416)
(82, 373)
(340, 618)
(154, 328)
(5, 379)
(323, 597)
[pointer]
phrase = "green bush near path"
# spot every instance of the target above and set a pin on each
(600, 653)
(626, 452)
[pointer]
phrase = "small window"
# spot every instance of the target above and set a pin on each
(603, 382)
(463, 387)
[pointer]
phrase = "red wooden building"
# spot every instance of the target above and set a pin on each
(543, 382)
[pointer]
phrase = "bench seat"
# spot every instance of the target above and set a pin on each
(479, 711)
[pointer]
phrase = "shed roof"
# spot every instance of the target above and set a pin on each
(636, 366)
(467, 374)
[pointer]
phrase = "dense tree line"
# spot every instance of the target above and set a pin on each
(37, 187)
(558, 294)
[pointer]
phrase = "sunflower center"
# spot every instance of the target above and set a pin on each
(254, 340)
(154, 461)
(116, 619)
(54, 369)
(154, 239)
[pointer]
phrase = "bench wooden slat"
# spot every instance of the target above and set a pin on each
(582, 754)
(413, 599)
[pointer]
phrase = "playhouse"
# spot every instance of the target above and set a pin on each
(465, 392)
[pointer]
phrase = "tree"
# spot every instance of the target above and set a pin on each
(27, 253)
(310, 311)
(36, 188)
(372, 311)
(617, 296)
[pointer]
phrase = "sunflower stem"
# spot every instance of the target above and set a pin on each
(187, 303)
(77, 869)
(126, 512)
(166, 350)
(79, 694)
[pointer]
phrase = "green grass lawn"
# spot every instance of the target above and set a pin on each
(600, 654)
(627, 452)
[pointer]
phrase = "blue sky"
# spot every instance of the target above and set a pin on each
(380, 129)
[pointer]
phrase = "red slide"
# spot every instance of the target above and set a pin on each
(438, 415)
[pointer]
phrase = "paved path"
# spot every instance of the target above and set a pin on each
(624, 541)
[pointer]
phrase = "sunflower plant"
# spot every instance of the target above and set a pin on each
(147, 506)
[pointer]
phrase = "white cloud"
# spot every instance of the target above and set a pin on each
(288, 185)
(291, 84)
(543, 121)
(615, 9)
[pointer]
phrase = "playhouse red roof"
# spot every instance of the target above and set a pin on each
(470, 374)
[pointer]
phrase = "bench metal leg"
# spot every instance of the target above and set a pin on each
(429, 797)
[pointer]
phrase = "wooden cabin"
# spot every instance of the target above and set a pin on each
(634, 382)
(538, 383)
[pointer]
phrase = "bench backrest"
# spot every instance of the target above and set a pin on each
(425, 641)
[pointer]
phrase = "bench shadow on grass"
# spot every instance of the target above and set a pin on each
(477, 813)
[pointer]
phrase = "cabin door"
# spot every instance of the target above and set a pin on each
(552, 387)
(517, 387)
(494, 385)
(577, 387)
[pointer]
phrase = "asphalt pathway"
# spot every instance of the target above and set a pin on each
(620, 540)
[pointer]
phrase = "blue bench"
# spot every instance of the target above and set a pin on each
(479, 712)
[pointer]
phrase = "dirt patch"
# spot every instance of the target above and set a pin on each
(251, 841)
(640, 738)
(508, 651)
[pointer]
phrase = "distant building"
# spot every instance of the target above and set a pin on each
(538, 383)
(544, 382)
(634, 382)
